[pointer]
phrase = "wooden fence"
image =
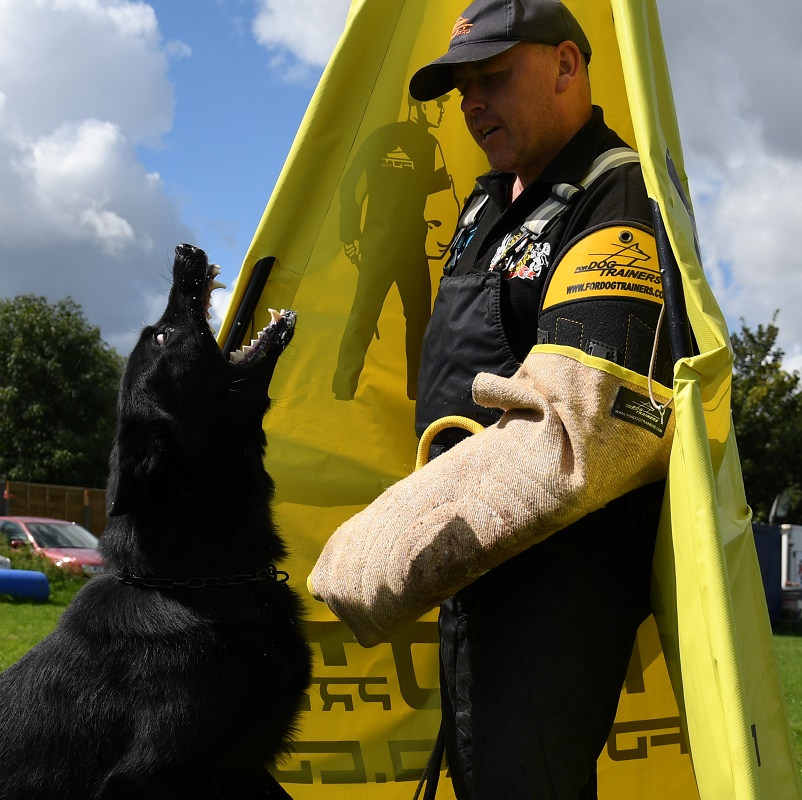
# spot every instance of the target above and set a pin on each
(87, 507)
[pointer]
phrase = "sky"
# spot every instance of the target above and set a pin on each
(127, 127)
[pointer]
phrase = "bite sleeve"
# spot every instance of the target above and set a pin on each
(557, 454)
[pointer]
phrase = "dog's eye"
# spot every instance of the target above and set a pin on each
(162, 336)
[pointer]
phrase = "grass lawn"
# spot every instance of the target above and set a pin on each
(788, 649)
(23, 623)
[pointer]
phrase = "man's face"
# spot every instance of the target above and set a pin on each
(509, 103)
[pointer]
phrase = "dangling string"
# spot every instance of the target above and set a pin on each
(661, 409)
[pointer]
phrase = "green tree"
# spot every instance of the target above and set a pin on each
(58, 389)
(767, 415)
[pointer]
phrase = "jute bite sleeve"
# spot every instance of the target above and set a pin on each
(556, 455)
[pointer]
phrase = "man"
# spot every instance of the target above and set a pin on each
(537, 533)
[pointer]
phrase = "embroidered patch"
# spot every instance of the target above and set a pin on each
(461, 27)
(534, 260)
(616, 262)
(520, 257)
(631, 407)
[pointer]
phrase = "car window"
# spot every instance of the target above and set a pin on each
(12, 531)
(61, 534)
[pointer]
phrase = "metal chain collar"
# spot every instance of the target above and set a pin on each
(199, 583)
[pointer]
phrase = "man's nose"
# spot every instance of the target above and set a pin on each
(472, 100)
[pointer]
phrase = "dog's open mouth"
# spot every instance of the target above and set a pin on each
(276, 333)
(195, 279)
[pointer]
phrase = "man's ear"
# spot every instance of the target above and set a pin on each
(569, 65)
(140, 456)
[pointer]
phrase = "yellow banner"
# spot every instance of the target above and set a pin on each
(359, 222)
(707, 589)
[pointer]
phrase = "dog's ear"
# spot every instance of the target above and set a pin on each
(140, 456)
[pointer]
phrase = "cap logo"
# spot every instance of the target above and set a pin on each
(461, 27)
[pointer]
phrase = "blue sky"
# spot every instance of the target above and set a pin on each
(127, 126)
(235, 120)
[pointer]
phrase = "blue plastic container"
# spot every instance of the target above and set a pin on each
(24, 583)
(768, 543)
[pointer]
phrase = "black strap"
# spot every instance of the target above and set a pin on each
(431, 772)
(269, 573)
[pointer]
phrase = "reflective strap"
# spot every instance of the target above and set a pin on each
(469, 217)
(465, 226)
(563, 193)
(608, 160)
(537, 221)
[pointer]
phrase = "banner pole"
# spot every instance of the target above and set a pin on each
(679, 331)
(249, 304)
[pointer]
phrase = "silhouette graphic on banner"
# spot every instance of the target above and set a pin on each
(392, 202)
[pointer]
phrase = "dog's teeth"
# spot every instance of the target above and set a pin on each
(236, 356)
(218, 285)
(275, 316)
(216, 270)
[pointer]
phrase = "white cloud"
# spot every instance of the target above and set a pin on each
(735, 88)
(112, 231)
(747, 222)
(307, 29)
(82, 84)
(221, 299)
(69, 60)
(177, 49)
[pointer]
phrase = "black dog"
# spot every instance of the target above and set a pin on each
(178, 673)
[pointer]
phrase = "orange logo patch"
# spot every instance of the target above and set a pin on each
(461, 27)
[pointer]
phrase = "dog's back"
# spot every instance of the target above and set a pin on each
(179, 673)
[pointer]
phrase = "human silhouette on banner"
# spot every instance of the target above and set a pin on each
(390, 234)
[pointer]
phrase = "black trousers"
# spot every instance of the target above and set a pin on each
(533, 656)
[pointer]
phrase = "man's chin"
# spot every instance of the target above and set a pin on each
(498, 157)
(499, 162)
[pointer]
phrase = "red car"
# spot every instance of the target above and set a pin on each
(64, 543)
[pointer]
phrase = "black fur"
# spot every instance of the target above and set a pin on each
(171, 692)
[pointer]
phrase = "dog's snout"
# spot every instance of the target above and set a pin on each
(185, 250)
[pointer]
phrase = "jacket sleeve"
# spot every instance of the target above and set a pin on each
(558, 453)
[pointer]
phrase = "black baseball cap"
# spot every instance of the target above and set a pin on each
(489, 27)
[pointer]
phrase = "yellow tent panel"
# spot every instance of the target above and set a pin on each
(701, 705)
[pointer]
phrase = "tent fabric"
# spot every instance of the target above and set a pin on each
(702, 697)
(714, 624)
